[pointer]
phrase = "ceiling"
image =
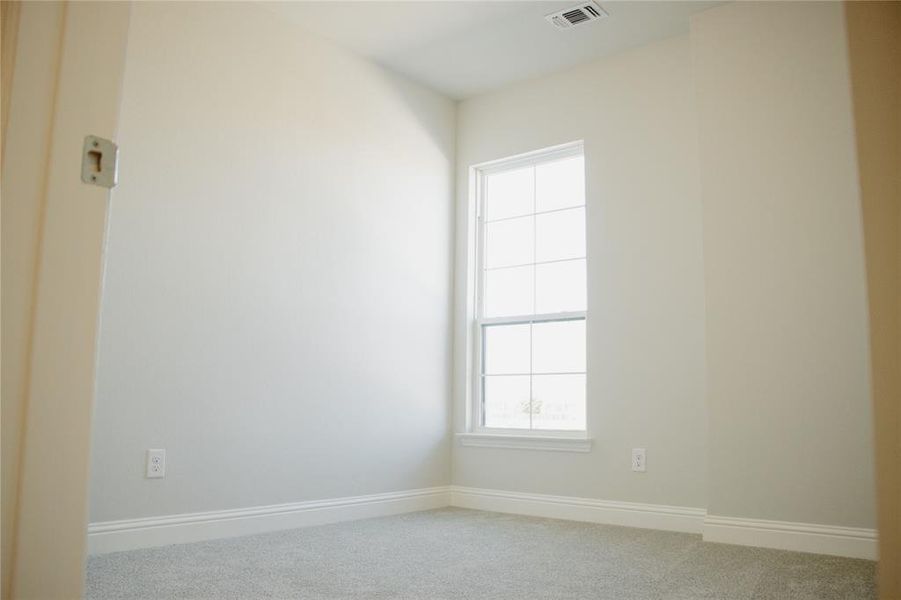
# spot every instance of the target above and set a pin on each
(466, 48)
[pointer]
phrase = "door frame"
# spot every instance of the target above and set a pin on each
(50, 525)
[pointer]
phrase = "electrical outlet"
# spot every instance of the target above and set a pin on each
(156, 463)
(639, 460)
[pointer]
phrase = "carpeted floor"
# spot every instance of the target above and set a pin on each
(463, 554)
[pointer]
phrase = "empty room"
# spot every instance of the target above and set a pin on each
(438, 300)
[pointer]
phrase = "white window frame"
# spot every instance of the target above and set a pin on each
(477, 434)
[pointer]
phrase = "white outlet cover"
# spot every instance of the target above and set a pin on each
(639, 460)
(156, 463)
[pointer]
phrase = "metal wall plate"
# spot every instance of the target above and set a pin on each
(99, 162)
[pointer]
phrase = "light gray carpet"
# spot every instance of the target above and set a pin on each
(454, 553)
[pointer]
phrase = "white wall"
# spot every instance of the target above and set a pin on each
(277, 309)
(277, 304)
(635, 112)
(788, 384)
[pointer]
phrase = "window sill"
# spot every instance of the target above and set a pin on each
(526, 442)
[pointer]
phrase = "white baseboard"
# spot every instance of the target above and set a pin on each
(801, 537)
(852, 542)
(114, 536)
(628, 514)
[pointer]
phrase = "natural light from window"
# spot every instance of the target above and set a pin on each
(532, 293)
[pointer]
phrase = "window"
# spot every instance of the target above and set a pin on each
(531, 294)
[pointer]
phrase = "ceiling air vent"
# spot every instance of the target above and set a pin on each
(581, 13)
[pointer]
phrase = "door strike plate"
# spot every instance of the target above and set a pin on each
(99, 162)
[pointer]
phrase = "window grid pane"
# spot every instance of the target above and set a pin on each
(559, 235)
(510, 194)
(560, 286)
(560, 183)
(510, 242)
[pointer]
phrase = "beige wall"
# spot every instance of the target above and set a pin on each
(874, 44)
(23, 181)
(790, 421)
(635, 112)
(777, 290)
(276, 312)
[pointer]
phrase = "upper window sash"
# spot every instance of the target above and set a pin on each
(482, 171)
